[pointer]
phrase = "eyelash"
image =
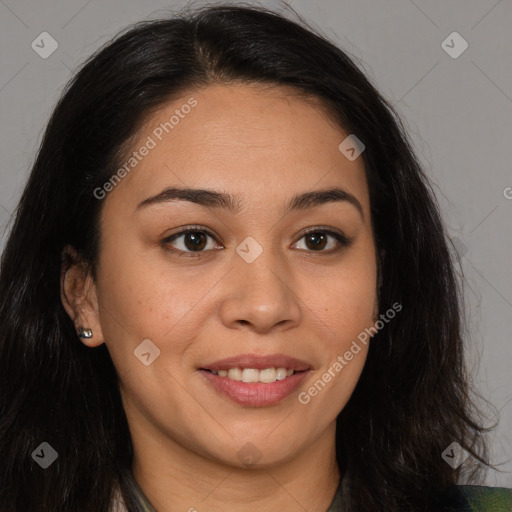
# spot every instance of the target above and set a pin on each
(343, 240)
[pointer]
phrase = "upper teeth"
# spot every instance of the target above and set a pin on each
(254, 375)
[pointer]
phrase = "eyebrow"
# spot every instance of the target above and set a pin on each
(215, 199)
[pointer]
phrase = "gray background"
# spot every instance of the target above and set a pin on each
(457, 112)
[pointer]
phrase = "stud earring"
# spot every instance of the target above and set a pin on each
(84, 333)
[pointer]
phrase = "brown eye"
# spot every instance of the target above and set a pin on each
(194, 240)
(316, 240)
(190, 241)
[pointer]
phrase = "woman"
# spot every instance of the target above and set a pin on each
(228, 287)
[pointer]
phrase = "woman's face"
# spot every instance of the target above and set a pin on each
(246, 289)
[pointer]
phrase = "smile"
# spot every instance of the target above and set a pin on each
(254, 375)
(256, 381)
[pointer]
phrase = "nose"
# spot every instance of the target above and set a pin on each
(260, 296)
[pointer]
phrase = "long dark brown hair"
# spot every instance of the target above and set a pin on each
(413, 398)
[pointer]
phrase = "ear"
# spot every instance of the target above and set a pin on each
(78, 295)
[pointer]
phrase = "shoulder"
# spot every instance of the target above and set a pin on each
(472, 498)
(483, 499)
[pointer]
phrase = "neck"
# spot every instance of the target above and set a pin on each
(175, 478)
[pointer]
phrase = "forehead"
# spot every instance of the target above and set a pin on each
(259, 143)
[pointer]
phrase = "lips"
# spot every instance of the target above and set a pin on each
(258, 363)
(256, 394)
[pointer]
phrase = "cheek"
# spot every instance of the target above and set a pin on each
(345, 311)
(346, 317)
(145, 302)
(345, 345)
(330, 388)
(144, 297)
(345, 300)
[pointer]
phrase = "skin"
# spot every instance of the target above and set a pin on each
(263, 145)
